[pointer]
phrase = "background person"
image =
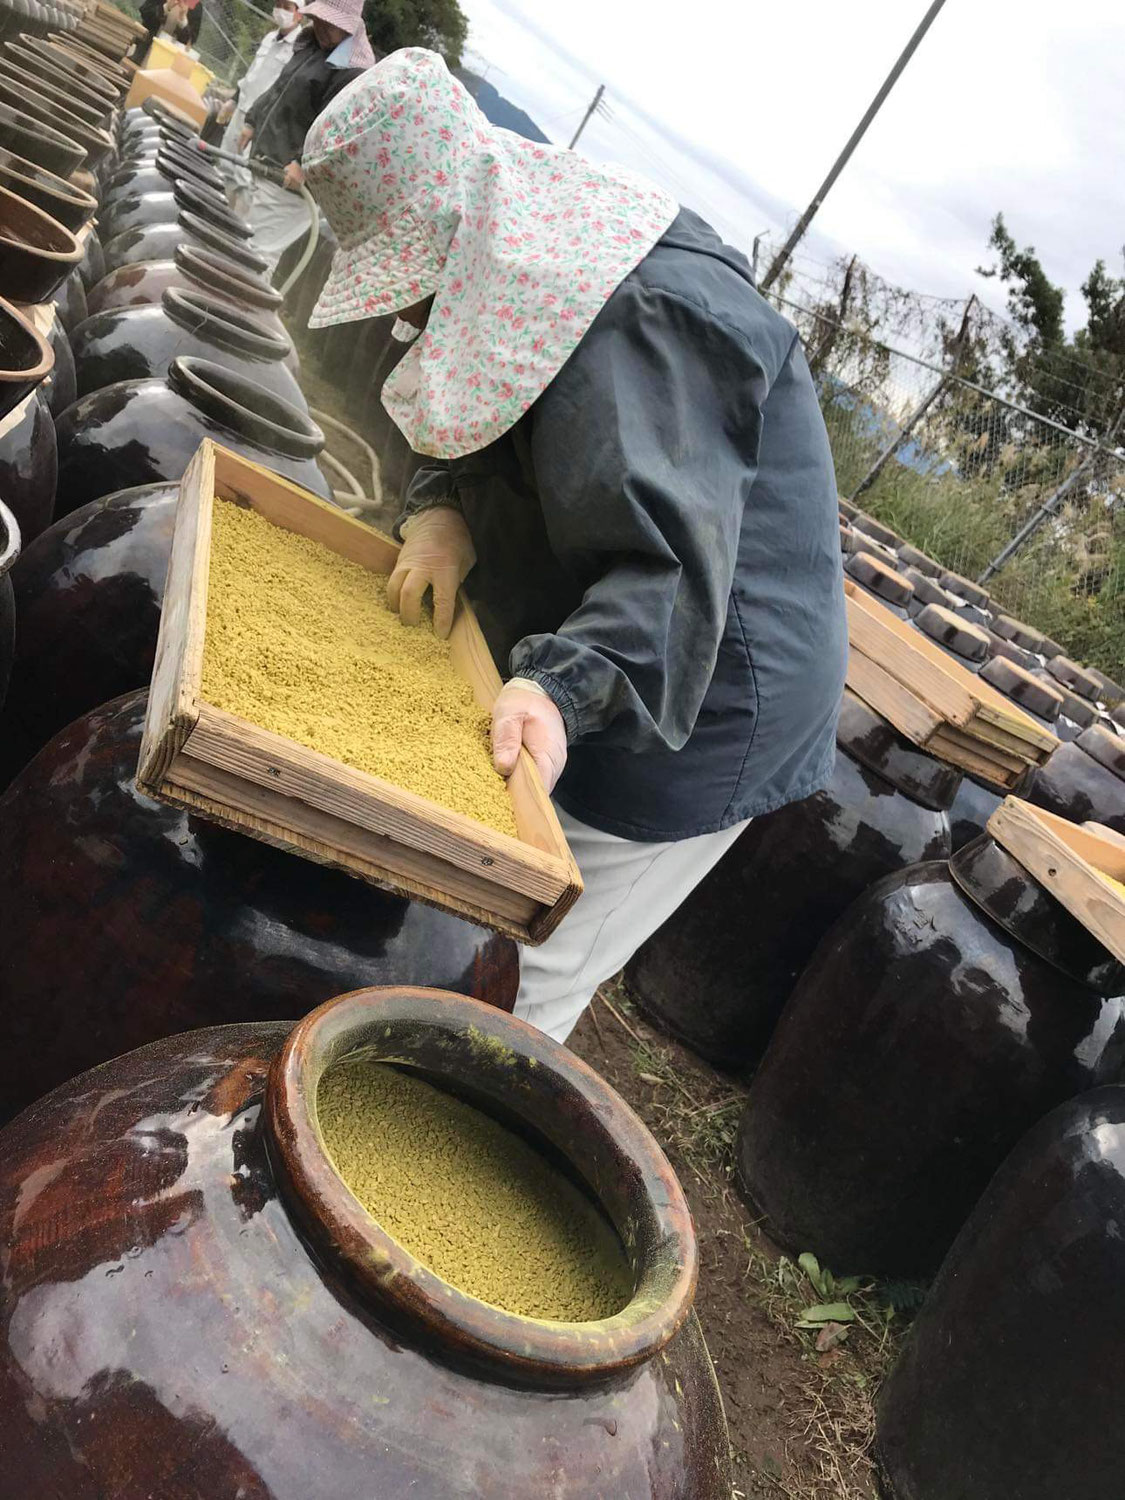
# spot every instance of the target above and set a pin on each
(631, 475)
(180, 19)
(327, 55)
(275, 51)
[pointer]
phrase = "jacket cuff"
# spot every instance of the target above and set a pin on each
(557, 693)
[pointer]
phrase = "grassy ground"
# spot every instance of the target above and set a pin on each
(798, 1384)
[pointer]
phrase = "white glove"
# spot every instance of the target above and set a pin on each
(437, 552)
(524, 714)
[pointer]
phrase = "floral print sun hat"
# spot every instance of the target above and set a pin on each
(520, 244)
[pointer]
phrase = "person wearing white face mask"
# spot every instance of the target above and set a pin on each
(274, 52)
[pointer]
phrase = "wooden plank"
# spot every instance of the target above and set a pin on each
(173, 700)
(272, 818)
(977, 765)
(272, 760)
(1069, 862)
(921, 665)
(887, 696)
(993, 754)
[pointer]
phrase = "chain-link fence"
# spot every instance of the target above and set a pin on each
(1032, 505)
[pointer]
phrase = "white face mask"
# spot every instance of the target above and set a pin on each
(283, 19)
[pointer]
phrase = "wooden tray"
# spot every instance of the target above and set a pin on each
(235, 773)
(934, 701)
(1070, 862)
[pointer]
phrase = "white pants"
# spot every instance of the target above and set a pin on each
(630, 890)
(278, 218)
(240, 180)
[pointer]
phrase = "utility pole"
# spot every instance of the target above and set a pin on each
(857, 135)
(594, 102)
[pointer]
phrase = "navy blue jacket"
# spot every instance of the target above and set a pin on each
(658, 547)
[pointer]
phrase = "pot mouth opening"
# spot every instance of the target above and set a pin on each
(18, 119)
(200, 199)
(78, 106)
(82, 134)
(226, 244)
(62, 57)
(19, 169)
(211, 267)
(29, 228)
(225, 324)
(245, 407)
(539, 1090)
(25, 356)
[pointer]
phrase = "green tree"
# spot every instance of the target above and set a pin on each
(440, 25)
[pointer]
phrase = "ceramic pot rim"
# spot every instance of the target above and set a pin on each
(29, 125)
(201, 200)
(46, 181)
(54, 51)
(10, 546)
(225, 244)
(236, 281)
(69, 257)
(25, 79)
(88, 138)
(866, 737)
(228, 326)
(471, 1036)
(33, 374)
(26, 56)
(223, 393)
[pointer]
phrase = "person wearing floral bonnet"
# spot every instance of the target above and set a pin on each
(628, 470)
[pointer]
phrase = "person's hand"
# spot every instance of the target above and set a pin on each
(437, 552)
(245, 138)
(524, 714)
(294, 177)
(226, 112)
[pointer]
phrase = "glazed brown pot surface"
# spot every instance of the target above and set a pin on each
(226, 1350)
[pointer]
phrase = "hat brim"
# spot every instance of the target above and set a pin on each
(377, 277)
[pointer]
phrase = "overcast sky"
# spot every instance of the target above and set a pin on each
(741, 109)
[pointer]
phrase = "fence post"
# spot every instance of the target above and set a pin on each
(1051, 504)
(920, 410)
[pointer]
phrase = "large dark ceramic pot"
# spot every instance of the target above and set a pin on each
(160, 242)
(91, 267)
(910, 557)
(135, 342)
(1085, 781)
(37, 253)
(65, 85)
(977, 800)
(719, 971)
(130, 211)
(248, 1328)
(65, 61)
(59, 389)
(155, 177)
(30, 138)
(141, 431)
(191, 269)
(64, 202)
(9, 552)
(70, 301)
(172, 922)
(88, 593)
(926, 591)
(881, 581)
(96, 144)
(25, 358)
(965, 643)
(951, 1007)
(73, 102)
(29, 466)
(1007, 1386)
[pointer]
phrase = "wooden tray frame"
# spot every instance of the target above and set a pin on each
(242, 776)
(1066, 859)
(934, 701)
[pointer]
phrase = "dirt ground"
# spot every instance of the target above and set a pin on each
(799, 1401)
(800, 1416)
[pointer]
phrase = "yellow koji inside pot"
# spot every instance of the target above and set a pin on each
(470, 1199)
